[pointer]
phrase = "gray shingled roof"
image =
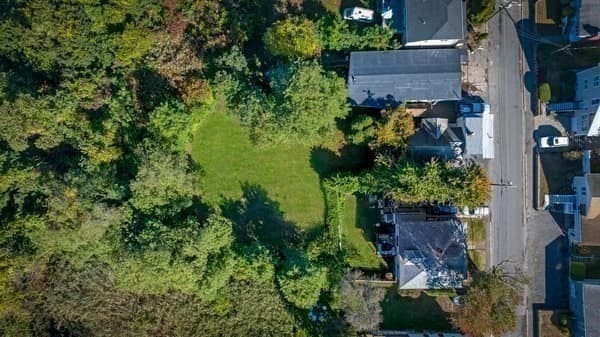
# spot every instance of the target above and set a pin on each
(434, 20)
(377, 78)
(589, 17)
(587, 308)
(432, 254)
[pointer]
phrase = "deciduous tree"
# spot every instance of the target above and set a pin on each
(292, 38)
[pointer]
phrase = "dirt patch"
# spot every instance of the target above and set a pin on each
(553, 323)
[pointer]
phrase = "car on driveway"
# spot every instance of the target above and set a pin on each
(553, 141)
(473, 108)
(359, 14)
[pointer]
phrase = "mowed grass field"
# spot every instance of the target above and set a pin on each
(290, 176)
(228, 160)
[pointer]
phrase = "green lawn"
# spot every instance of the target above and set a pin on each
(419, 314)
(228, 161)
(358, 235)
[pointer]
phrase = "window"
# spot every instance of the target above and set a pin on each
(596, 81)
(596, 101)
(585, 84)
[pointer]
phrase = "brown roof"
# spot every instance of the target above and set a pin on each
(590, 225)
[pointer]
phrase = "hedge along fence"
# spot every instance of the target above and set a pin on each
(336, 191)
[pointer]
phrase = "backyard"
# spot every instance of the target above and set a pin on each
(417, 312)
(228, 161)
(358, 235)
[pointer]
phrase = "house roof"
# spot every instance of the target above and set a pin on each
(377, 78)
(589, 17)
(435, 138)
(587, 308)
(431, 254)
(434, 20)
(479, 135)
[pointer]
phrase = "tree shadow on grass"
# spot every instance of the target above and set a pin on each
(350, 158)
(256, 217)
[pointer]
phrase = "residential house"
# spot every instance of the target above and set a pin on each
(585, 306)
(586, 229)
(478, 133)
(430, 254)
(585, 22)
(583, 111)
(472, 136)
(381, 78)
(426, 23)
(435, 137)
(583, 204)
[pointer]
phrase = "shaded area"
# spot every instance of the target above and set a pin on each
(350, 158)
(557, 266)
(418, 313)
(590, 256)
(256, 217)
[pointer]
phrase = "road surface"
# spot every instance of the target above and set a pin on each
(506, 68)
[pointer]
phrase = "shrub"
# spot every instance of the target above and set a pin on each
(544, 93)
(481, 10)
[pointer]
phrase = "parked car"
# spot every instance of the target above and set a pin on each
(552, 141)
(359, 14)
(473, 108)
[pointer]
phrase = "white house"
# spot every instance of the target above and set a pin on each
(584, 204)
(585, 120)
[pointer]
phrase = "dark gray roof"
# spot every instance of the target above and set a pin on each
(589, 17)
(587, 308)
(377, 78)
(434, 20)
(432, 254)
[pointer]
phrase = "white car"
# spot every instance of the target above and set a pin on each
(553, 141)
(359, 14)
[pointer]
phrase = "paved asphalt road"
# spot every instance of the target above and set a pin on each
(506, 68)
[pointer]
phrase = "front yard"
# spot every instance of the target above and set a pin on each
(587, 263)
(556, 68)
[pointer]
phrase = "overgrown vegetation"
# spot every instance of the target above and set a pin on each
(480, 11)
(159, 171)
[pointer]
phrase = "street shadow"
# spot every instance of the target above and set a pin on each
(528, 44)
(556, 269)
(556, 282)
(545, 131)
(256, 217)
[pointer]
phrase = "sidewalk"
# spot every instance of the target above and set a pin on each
(476, 78)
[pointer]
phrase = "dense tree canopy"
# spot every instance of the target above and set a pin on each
(105, 228)
(490, 304)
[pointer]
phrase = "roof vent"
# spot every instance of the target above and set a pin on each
(422, 20)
